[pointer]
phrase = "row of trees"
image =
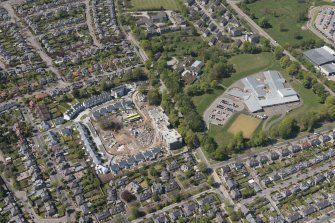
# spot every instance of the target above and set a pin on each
(290, 126)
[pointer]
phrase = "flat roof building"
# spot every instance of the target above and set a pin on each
(171, 137)
(323, 59)
(268, 89)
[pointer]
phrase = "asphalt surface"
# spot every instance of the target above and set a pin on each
(310, 25)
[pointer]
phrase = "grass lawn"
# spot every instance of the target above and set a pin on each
(203, 101)
(138, 5)
(284, 14)
(220, 133)
(247, 64)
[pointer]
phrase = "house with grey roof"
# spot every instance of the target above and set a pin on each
(309, 210)
(176, 214)
(190, 209)
(293, 217)
(119, 91)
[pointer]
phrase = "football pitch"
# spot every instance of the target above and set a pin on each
(245, 124)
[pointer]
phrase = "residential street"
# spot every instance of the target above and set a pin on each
(90, 23)
(167, 208)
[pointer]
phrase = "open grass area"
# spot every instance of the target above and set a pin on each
(245, 124)
(244, 64)
(221, 134)
(140, 5)
(323, 2)
(283, 16)
(247, 64)
(203, 101)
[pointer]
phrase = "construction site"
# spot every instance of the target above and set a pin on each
(128, 130)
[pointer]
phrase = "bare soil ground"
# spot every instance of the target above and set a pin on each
(245, 124)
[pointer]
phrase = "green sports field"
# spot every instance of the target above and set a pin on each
(141, 5)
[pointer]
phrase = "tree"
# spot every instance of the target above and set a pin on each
(307, 83)
(210, 180)
(293, 69)
(282, 27)
(302, 17)
(176, 198)
(278, 52)
(285, 61)
(153, 172)
(249, 47)
(298, 36)
(154, 97)
(76, 93)
(259, 139)
(202, 167)
(307, 121)
(330, 101)
(189, 174)
(174, 119)
(155, 197)
(264, 22)
(127, 196)
(134, 212)
(108, 123)
(2, 192)
(265, 44)
(287, 128)
(238, 142)
(191, 139)
(106, 86)
(208, 144)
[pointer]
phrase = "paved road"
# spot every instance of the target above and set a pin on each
(139, 49)
(90, 23)
(328, 217)
(167, 208)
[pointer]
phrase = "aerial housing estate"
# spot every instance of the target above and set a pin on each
(90, 148)
(89, 103)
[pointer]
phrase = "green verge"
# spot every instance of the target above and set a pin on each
(203, 101)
